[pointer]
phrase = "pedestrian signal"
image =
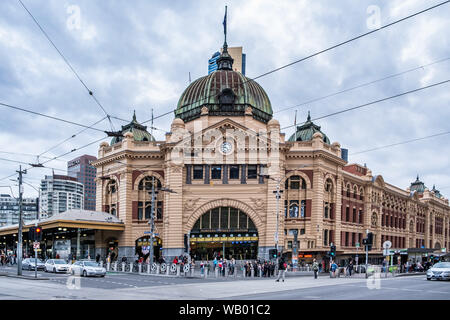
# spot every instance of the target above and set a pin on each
(273, 253)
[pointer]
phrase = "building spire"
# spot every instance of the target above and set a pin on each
(309, 117)
(225, 61)
(134, 116)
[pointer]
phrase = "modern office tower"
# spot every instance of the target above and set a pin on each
(237, 55)
(9, 209)
(82, 169)
(60, 193)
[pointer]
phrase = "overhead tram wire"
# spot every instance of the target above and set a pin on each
(57, 157)
(68, 64)
(374, 102)
(315, 54)
(50, 117)
(363, 85)
(402, 142)
(72, 136)
(28, 155)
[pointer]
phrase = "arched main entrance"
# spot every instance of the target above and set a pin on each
(143, 247)
(224, 232)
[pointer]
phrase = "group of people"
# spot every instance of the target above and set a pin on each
(7, 259)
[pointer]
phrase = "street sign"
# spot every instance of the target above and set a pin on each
(36, 245)
(357, 245)
(443, 249)
(276, 237)
(387, 244)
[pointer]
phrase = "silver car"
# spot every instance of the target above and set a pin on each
(56, 265)
(440, 271)
(29, 264)
(87, 268)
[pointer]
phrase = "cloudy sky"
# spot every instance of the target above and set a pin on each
(137, 55)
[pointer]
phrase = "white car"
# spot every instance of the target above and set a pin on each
(87, 268)
(440, 271)
(56, 265)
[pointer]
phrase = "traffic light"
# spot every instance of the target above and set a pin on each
(38, 234)
(333, 251)
(32, 233)
(273, 253)
(370, 238)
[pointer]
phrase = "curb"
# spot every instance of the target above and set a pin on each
(22, 277)
(411, 274)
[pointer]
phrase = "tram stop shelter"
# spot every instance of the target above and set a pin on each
(75, 233)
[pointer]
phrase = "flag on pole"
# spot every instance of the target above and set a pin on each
(225, 24)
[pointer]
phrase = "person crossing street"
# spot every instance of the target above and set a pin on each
(281, 269)
(315, 268)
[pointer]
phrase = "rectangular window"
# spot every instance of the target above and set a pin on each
(242, 220)
(159, 210)
(289, 244)
(216, 172)
(293, 209)
(251, 171)
(302, 231)
(233, 218)
(215, 218)
(234, 172)
(325, 210)
(140, 210)
(347, 214)
(224, 218)
(354, 215)
(325, 237)
(205, 221)
(147, 210)
(198, 172)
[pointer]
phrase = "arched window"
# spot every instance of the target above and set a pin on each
(224, 219)
(147, 182)
(112, 187)
(374, 219)
(144, 205)
(295, 183)
(355, 192)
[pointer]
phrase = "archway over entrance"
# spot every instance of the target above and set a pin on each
(143, 247)
(224, 232)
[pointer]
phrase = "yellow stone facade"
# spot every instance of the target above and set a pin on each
(326, 181)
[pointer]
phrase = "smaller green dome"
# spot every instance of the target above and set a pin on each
(139, 131)
(306, 131)
(418, 186)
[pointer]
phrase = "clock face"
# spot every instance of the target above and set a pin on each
(226, 147)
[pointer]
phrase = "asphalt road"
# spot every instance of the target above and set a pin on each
(400, 288)
(133, 286)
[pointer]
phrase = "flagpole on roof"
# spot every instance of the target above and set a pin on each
(225, 25)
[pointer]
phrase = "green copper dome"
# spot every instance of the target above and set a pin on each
(417, 186)
(306, 131)
(225, 93)
(139, 131)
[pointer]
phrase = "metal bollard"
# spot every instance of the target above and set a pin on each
(252, 272)
(168, 269)
(243, 272)
(108, 265)
(206, 272)
(217, 272)
(260, 273)
(192, 270)
(123, 266)
(178, 270)
(140, 268)
(115, 266)
(101, 264)
(157, 268)
(131, 267)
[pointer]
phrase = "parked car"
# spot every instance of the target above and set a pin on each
(29, 264)
(439, 271)
(56, 265)
(87, 268)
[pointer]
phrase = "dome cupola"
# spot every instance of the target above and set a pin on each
(139, 131)
(306, 132)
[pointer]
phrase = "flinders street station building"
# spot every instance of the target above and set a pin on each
(222, 165)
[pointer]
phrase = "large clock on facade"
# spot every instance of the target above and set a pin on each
(226, 147)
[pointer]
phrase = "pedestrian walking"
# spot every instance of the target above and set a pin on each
(315, 268)
(281, 269)
(333, 268)
(350, 268)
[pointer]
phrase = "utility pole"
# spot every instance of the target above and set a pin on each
(367, 251)
(152, 222)
(19, 237)
(276, 235)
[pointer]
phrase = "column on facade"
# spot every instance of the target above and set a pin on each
(337, 213)
(317, 208)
